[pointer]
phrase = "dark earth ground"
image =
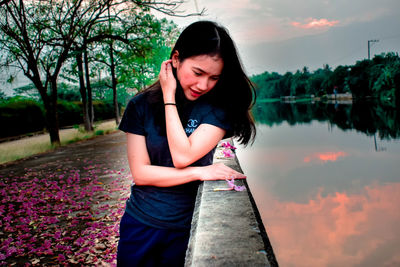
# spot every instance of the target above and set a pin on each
(63, 207)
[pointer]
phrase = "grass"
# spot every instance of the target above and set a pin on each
(25, 147)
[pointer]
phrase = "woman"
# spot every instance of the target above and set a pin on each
(173, 127)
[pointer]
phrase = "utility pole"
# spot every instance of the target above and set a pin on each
(197, 7)
(369, 57)
(371, 41)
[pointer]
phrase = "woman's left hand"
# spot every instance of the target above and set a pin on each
(167, 81)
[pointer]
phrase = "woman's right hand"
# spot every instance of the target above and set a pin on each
(219, 171)
(167, 81)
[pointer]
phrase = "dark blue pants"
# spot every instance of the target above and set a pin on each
(142, 245)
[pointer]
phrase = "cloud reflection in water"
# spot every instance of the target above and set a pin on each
(327, 156)
(326, 198)
(337, 230)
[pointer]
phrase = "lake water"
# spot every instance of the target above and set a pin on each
(328, 195)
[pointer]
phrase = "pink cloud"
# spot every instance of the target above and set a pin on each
(311, 23)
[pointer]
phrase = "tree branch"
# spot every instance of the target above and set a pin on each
(168, 7)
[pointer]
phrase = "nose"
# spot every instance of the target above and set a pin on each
(202, 83)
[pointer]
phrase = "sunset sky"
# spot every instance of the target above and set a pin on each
(286, 35)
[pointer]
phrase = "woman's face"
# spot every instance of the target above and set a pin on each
(198, 74)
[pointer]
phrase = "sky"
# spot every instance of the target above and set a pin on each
(286, 35)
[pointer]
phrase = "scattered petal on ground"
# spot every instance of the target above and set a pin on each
(64, 213)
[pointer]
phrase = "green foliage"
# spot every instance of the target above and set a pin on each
(68, 92)
(357, 79)
(267, 85)
(19, 115)
(139, 67)
(69, 113)
(386, 84)
(28, 91)
(336, 79)
(103, 110)
(378, 78)
(99, 132)
(79, 127)
(43, 39)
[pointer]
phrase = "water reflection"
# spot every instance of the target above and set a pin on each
(369, 117)
(326, 156)
(326, 197)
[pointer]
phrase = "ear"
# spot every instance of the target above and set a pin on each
(175, 59)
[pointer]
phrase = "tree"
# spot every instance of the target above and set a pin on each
(315, 84)
(37, 37)
(358, 79)
(286, 83)
(337, 79)
(385, 81)
(299, 82)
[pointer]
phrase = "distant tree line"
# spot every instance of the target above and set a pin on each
(378, 78)
(25, 116)
(107, 45)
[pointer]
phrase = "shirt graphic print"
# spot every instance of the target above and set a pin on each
(191, 126)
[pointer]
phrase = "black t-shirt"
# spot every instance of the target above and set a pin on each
(166, 207)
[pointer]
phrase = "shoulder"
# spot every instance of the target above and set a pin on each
(207, 107)
(139, 102)
(139, 98)
(212, 114)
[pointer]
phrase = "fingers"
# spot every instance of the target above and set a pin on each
(239, 176)
(233, 173)
(166, 68)
(166, 65)
(167, 81)
(220, 171)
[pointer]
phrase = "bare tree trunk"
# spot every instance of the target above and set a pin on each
(114, 84)
(89, 90)
(49, 103)
(82, 89)
(52, 114)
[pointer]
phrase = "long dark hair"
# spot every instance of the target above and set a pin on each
(234, 91)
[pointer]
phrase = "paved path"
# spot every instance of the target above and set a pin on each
(108, 149)
(72, 197)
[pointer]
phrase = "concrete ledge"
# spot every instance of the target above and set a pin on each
(226, 228)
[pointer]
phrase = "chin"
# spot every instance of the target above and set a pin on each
(189, 97)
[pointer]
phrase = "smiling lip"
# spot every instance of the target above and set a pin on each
(194, 93)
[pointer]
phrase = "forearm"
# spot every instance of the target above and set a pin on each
(178, 142)
(164, 176)
(144, 173)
